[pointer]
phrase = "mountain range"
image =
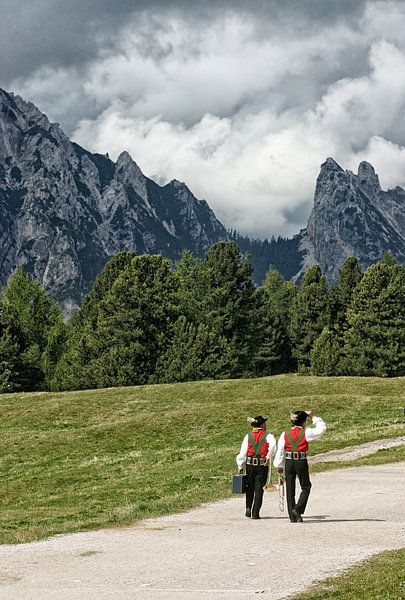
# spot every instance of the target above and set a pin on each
(65, 211)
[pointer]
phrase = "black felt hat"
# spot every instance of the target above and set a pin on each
(257, 421)
(298, 417)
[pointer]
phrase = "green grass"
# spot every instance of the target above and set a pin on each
(381, 577)
(82, 460)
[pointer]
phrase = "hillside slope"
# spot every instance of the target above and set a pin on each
(84, 460)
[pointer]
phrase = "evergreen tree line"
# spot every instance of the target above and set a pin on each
(147, 322)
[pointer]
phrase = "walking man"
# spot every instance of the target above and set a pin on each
(257, 448)
(291, 458)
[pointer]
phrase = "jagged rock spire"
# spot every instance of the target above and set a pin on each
(368, 178)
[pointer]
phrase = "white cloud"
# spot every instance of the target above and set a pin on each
(390, 159)
(249, 171)
(244, 119)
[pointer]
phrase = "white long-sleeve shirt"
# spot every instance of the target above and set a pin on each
(241, 458)
(311, 434)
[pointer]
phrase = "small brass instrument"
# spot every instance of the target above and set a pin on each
(281, 492)
(270, 487)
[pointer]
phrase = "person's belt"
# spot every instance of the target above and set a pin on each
(296, 455)
(255, 462)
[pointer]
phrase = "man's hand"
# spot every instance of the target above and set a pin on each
(309, 413)
(280, 470)
(240, 471)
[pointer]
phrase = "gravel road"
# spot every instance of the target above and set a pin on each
(215, 552)
(354, 452)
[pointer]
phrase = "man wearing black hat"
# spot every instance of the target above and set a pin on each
(292, 450)
(256, 451)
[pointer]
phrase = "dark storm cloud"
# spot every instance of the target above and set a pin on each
(51, 32)
(56, 33)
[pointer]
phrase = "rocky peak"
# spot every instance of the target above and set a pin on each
(352, 216)
(128, 172)
(64, 210)
(176, 183)
(182, 190)
(368, 179)
(26, 114)
(25, 131)
(330, 166)
(31, 112)
(125, 161)
(126, 168)
(330, 171)
(329, 178)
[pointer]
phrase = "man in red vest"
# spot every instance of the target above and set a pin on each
(291, 458)
(256, 451)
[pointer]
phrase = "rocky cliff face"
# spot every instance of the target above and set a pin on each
(65, 211)
(352, 216)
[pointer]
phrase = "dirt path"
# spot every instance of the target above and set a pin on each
(216, 552)
(353, 452)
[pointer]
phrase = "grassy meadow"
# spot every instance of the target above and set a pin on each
(381, 577)
(82, 460)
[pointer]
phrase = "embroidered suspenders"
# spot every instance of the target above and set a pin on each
(294, 445)
(256, 447)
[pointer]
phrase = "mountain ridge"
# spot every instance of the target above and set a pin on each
(65, 211)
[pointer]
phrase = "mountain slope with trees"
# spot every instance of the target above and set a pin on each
(64, 212)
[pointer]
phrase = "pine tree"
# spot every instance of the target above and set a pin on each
(134, 321)
(9, 356)
(53, 351)
(309, 315)
(273, 354)
(190, 294)
(31, 315)
(325, 354)
(102, 285)
(196, 352)
(342, 292)
(375, 339)
(389, 259)
(229, 303)
(76, 369)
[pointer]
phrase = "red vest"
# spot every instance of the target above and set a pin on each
(294, 432)
(257, 436)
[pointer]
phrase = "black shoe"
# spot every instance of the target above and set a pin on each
(255, 517)
(293, 519)
(248, 512)
(297, 516)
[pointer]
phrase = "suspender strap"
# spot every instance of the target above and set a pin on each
(257, 447)
(294, 445)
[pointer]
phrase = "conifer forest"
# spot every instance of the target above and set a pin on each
(147, 320)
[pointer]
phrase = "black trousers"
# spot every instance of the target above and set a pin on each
(256, 479)
(294, 469)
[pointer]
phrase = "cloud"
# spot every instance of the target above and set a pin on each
(243, 107)
(44, 33)
(211, 112)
